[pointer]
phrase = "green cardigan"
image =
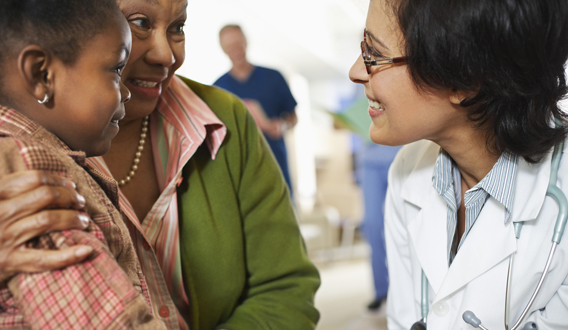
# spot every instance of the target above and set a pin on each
(243, 259)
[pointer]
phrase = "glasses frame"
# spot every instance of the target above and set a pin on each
(366, 55)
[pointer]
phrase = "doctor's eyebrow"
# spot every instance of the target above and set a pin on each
(377, 40)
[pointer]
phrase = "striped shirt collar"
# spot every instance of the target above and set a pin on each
(498, 183)
(191, 116)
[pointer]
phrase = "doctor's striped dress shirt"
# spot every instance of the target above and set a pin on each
(498, 184)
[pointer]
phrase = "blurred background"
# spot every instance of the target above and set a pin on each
(313, 43)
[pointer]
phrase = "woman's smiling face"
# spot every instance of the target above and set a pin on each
(400, 112)
(158, 50)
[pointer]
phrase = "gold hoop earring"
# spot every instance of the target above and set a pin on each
(45, 99)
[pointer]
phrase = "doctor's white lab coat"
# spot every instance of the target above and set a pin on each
(416, 239)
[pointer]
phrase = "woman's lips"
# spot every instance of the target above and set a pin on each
(375, 108)
(146, 88)
(144, 83)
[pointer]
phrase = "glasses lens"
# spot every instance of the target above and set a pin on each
(364, 55)
(363, 50)
(367, 47)
(418, 326)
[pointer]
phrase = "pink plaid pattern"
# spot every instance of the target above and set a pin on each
(97, 293)
(10, 317)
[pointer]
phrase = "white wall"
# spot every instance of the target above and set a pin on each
(312, 42)
(316, 38)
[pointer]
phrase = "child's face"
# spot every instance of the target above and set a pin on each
(89, 95)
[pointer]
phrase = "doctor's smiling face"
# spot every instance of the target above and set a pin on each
(401, 112)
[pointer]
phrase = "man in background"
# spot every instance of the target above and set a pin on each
(264, 91)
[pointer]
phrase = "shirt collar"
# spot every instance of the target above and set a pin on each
(443, 179)
(180, 106)
(14, 123)
(498, 183)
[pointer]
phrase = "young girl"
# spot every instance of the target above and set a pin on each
(61, 98)
(472, 87)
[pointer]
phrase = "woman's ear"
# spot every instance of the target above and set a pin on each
(456, 97)
(35, 68)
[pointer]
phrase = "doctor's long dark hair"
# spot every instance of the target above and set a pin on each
(509, 53)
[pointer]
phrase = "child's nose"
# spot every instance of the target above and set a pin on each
(124, 93)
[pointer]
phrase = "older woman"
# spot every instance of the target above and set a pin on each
(206, 205)
(477, 84)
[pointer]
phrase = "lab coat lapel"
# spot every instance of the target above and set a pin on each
(415, 188)
(530, 191)
(428, 232)
(487, 244)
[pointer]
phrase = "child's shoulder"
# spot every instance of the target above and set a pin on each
(23, 153)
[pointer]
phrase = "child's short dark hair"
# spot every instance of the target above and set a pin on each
(509, 53)
(60, 26)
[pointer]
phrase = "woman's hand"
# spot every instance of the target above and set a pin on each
(33, 203)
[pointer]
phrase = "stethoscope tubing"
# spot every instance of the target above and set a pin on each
(560, 226)
(536, 291)
(556, 193)
(424, 297)
(508, 291)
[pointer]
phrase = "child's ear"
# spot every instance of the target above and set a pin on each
(36, 69)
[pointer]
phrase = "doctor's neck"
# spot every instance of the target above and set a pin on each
(472, 155)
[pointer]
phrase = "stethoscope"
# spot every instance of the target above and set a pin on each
(468, 316)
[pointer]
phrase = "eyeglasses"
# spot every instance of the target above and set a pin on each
(366, 52)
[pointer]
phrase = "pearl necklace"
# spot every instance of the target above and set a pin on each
(138, 153)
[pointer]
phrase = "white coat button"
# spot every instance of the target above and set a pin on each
(441, 308)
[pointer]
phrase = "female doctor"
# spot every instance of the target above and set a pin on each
(472, 88)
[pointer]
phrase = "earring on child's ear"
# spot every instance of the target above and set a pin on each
(45, 99)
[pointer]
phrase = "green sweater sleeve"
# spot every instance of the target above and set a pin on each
(253, 248)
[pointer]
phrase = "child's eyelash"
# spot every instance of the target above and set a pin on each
(119, 69)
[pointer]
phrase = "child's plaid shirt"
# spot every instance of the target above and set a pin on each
(108, 290)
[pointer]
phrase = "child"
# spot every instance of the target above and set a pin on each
(61, 98)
